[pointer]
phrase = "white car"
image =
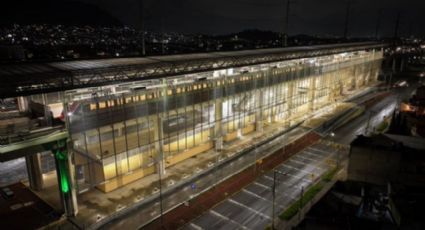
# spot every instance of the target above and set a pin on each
(401, 84)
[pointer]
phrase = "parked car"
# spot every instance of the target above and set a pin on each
(7, 193)
(400, 84)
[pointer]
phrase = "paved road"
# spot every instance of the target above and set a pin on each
(375, 114)
(12, 171)
(251, 208)
(202, 180)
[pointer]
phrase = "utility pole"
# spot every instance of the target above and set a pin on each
(286, 23)
(142, 25)
(347, 16)
(273, 199)
(378, 24)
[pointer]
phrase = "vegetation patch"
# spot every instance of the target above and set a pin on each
(381, 127)
(308, 195)
(329, 175)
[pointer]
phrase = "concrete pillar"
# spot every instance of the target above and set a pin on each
(333, 87)
(159, 143)
(290, 98)
(364, 73)
(312, 93)
(356, 77)
(218, 126)
(259, 96)
(370, 72)
(22, 104)
(35, 176)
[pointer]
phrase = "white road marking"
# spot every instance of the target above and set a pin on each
(306, 152)
(255, 195)
(261, 185)
(195, 226)
(249, 208)
(226, 218)
(307, 158)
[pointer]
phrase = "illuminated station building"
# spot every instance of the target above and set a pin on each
(140, 120)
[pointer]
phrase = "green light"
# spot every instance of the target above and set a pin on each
(62, 165)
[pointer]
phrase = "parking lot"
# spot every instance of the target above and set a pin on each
(251, 208)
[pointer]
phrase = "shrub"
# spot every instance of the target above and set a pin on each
(307, 197)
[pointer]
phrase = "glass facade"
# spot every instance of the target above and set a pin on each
(147, 146)
(126, 132)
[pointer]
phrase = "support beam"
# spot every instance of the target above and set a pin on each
(218, 127)
(290, 100)
(47, 113)
(363, 75)
(35, 176)
(159, 143)
(22, 104)
(367, 75)
(259, 96)
(334, 88)
(312, 93)
(356, 78)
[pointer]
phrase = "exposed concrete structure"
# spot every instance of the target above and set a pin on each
(22, 104)
(35, 176)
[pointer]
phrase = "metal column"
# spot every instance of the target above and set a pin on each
(66, 176)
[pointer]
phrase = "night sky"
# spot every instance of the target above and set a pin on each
(313, 17)
(319, 17)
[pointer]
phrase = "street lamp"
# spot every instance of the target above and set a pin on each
(275, 172)
(274, 194)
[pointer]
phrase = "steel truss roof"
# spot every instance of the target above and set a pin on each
(29, 78)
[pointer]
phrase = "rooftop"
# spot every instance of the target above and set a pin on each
(30, 78)
(390, 141)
